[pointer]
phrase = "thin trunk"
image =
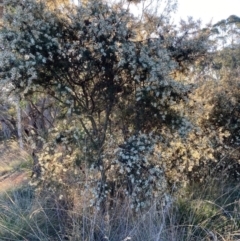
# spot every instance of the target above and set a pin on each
(19, 123)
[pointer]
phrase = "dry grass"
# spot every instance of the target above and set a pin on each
(12, 157)
(209, 212)
(201, 212)
(15, 165)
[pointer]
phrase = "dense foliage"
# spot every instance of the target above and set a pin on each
(121, 112)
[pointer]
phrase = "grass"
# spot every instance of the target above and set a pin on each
(15, 166)
(202, 212)
(13, 158)
(22, 217)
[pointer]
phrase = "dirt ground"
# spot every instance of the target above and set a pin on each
(14, 166)
(13, 180)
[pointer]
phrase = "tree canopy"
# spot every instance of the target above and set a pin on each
(111, 105)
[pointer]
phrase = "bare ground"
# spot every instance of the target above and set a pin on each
(14, 166)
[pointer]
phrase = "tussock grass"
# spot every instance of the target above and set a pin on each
(23, 217)
(202, 212)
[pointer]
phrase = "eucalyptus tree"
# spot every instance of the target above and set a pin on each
(223, 115)
(214, 104)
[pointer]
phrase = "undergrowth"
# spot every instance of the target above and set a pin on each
(202, 212)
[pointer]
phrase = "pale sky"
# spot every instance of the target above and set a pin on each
(208, 9)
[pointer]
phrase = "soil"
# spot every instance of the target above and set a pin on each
(12, 180)
(12, 174)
